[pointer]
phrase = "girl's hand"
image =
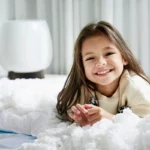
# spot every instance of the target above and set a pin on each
(78, 114)
(95, 113)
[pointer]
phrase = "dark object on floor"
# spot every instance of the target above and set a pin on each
(14, 75)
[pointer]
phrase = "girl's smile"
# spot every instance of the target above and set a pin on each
(103, 72)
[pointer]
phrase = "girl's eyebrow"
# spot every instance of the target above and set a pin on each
(105, 48)
(88, 53)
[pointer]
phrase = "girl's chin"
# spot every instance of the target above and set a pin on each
(104, 84)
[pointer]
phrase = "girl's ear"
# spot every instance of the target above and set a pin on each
(124, 62)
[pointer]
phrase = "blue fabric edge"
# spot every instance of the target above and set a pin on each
(2, 131)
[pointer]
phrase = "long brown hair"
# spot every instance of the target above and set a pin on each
(71, 92)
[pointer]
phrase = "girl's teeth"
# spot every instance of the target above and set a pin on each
(103, 72)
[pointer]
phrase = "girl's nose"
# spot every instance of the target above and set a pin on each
(101, 62)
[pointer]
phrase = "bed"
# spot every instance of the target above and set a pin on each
(28, 121)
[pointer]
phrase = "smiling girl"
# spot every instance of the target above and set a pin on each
(105, 78)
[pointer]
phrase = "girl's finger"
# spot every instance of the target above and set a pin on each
(75, 117)
(75, 110)
(88, 106)
(81, 108)
(96, 116)
(94, 110)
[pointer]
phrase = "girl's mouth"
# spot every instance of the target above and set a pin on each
(103, 72)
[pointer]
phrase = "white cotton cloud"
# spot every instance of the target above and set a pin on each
(29, 107)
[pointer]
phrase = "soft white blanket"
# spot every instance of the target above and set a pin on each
(28, 106)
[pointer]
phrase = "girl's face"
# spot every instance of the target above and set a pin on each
(102, 62)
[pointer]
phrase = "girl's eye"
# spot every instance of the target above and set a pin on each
(109, 53)
(90, 58)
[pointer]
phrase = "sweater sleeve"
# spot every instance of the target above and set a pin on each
(139, 99)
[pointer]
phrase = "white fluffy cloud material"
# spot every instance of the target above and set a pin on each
(29, 107)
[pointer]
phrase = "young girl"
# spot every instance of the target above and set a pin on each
(105, 78)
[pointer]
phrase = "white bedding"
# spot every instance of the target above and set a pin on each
(28, 106)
